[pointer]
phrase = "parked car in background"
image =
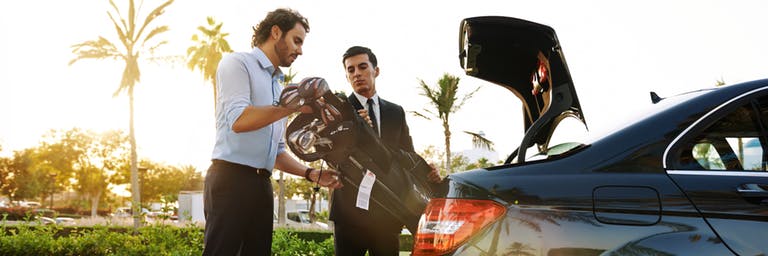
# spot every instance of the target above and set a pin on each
(45, 212)
(299, 219)
(44, 220)
(53, 221)
(64, 220)
(26, 204)
(302, 216)
(689, 177)
(127, 212)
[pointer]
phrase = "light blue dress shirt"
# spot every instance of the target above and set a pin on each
(245, 79)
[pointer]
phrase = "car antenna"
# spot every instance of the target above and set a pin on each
(655, 97)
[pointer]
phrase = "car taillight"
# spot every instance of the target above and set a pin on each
(447, 223)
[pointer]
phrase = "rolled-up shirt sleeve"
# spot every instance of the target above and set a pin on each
(234, 88)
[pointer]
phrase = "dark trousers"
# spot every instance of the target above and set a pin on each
(350, 240)
(238, 210)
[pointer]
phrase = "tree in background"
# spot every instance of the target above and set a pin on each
(443, 99)
(24, 179)
(305, 190)
(162, 183)
(56, 157)
(5, 173)
(480, 163)
(88, 163)
(192, 180)
(519, 249)
(92, 160)
(281, 195)
(135, 41)
(311, 194)
(458, 162)
(207, 51)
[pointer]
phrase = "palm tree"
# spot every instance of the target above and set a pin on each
(519, 249)
(134, 41)
(287, 79)
(443, 99)
(207, 51)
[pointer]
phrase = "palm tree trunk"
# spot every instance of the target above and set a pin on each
(95, 204)
(447, 131)
(281, 200)
(313, 199)
(136, 203)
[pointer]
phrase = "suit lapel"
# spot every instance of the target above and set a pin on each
(386, 119)
(355, 103)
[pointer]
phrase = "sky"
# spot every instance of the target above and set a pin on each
(617, 52)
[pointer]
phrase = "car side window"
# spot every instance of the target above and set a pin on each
(735, 142)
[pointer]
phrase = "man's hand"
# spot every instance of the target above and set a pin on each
(433, 176)
(364, 114)
(327, 178)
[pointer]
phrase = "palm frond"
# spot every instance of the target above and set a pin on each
(153, 48)
(120, 33)
(152, 15)
(202, 30)
(95, 49)
(154, 32)
(427, 91)
(224, 45)
(288, 78)
(117, 10)
(132, 20)
(417, 114)
(464, 99)
(480, 141)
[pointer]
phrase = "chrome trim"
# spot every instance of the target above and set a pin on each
(685, 132)
(718, 173)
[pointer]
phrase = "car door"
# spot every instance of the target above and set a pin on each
(720, 163)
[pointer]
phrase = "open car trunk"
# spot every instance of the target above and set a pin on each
(525, 58)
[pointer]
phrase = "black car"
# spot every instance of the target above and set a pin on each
(687, 178)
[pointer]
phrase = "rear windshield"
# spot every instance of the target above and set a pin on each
(571, 135)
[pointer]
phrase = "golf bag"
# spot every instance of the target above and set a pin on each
(335, 133)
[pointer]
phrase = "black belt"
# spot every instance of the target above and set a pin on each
(259, 171)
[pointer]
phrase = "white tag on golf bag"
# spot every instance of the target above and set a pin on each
(364, 191)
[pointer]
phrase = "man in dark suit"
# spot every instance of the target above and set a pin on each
(357, 230)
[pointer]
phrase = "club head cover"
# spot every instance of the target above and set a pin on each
(312, 88)
(289, 97)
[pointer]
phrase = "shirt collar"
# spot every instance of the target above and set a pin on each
(266, 64)
(363, 100)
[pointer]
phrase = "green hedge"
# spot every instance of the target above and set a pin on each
(150, 240)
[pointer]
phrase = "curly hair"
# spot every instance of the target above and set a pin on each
(285, 19)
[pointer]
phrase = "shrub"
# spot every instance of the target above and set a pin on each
(99, 240)
(36, 239)
(287, 243)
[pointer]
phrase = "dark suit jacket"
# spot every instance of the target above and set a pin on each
(395, 134)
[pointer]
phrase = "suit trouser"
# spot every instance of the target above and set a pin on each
(353, 241)
(238, 210)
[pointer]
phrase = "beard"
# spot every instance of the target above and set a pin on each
(283, 53)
